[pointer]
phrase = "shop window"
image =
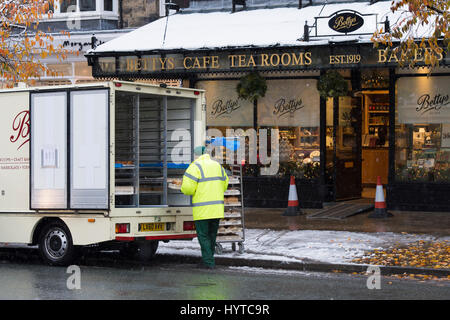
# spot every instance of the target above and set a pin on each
(292, 107)
(422, 132)
(68, 6)
(299, 152)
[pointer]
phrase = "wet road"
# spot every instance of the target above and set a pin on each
(119, 280)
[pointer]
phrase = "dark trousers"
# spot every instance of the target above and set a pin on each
(206, 234)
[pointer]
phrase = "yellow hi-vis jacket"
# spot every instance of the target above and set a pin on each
(206, 181)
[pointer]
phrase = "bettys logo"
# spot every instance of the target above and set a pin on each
(221, 107)
(427, 103)
(346, 22)
(21, 129)
(282, 107)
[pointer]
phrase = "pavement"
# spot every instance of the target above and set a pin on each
(298, 243)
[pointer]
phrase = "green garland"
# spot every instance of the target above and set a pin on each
(251, 87)
(332, 85)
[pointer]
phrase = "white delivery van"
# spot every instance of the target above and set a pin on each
(98, 163)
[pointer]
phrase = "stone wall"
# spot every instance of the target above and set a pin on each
(136, 13)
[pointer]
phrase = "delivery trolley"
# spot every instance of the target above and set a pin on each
(231, 227)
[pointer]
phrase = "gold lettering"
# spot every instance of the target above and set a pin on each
(241, 60)
(144, 63)
(171, 63)
(332, 59)
(232, 57)
(132, 65)
(283, 62)
(215, 62)
(297, 61)
(404, 55)
(264, 58)
(185, 63)
(206, 61)
(440, 56)
(308, 59)
(196, 63)
(340, 23)
(393, 56)
(251, 61)
(272, 60)
(418, 55)
(163, 63)
(382, 55)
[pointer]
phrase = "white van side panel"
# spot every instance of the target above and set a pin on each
(14, 151)
(17, 228)
(86, 229)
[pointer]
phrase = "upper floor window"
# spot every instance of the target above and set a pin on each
(87, 5)
(68, 6)
(108, 5)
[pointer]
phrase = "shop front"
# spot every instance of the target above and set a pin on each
(392, 122)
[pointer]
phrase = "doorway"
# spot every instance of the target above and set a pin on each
(358, 144)
(347, 151)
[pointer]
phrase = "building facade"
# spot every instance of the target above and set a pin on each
(392, 123)
(90, 24)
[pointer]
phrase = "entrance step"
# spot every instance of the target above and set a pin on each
(341, 211)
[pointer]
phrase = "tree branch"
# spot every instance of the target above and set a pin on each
(435, 9)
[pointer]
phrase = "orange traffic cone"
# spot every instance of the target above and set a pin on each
(293, 208)
(380, 205)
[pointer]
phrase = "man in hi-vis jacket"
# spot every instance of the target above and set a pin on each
(206, 181)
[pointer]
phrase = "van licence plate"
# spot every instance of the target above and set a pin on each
(143, 227)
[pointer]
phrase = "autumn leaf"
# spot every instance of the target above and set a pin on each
(23, 44)
(420, 26)
(423, 254)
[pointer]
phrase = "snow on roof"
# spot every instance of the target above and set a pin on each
(260, 28)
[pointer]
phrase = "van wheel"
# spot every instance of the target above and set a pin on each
(55, 244)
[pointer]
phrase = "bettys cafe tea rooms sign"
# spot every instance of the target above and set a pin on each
(340, 23)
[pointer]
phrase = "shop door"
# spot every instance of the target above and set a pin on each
(347, 137)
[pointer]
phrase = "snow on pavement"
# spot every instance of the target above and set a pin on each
(337, 247)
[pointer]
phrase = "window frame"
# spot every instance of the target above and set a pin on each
(99, 10)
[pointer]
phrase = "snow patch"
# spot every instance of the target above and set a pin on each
(339, 247)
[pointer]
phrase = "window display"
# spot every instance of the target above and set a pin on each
(421, 154)
(423, 130)
(289, 106)
(300, 151)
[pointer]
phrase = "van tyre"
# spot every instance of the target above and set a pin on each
(55, 244)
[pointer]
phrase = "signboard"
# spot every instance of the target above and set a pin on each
(346, 22)
(423, 100)
(290, 103)
(178, 64)
(223, 107)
